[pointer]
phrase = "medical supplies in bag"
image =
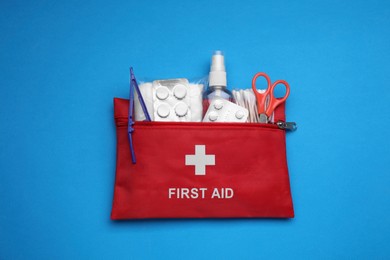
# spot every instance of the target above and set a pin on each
(178, 159)
(243, 169)
(171, 100)
(221, 110)
(247, 99)
(217, 84)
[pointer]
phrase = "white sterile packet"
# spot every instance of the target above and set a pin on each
(196, 102)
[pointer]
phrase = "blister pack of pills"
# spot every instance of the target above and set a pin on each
(222, 110)
(171, 101)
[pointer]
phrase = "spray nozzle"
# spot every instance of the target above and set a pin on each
(217, 76)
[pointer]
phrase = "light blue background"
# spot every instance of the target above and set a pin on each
(62, 62)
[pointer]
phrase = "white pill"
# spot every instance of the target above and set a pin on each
(162, 93)
(180, 91)
(163, 110)
(181, 109)
(213, 116)
(218, 104)
(240, 114)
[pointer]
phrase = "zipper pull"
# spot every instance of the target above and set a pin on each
(289, 126)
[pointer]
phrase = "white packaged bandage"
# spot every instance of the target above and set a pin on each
(196, 104)
(171, 100)
(222, 110)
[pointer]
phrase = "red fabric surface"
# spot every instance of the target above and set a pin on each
(250, 166)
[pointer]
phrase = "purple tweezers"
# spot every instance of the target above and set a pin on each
(130, 129)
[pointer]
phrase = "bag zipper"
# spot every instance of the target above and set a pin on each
(123, 121)
(288, 126)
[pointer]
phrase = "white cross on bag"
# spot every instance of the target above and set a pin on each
(200, 159)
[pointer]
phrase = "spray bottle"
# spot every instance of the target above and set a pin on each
(217, 81)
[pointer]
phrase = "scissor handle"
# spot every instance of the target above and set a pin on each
(273, 101)
(261, 97)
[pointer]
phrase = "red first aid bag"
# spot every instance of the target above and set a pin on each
(201, 170)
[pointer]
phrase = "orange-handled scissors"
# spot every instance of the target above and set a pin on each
(266, 101)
